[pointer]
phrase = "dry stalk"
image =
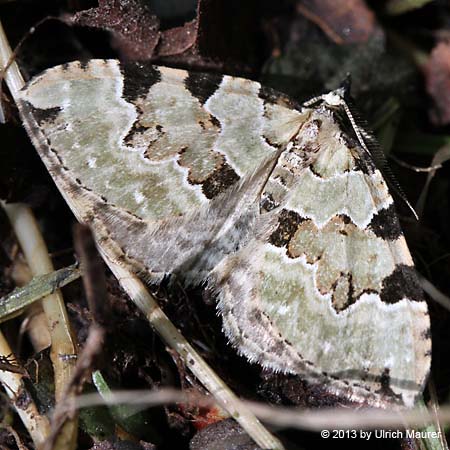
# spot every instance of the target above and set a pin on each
(281, 416)
(34, 321)
(197, 365)
(63, 350)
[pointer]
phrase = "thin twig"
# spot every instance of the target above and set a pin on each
(197, 365)
(417, 169)
(13, 77)
(94, 280)
(441, 156)
(285, 417)
(61, 414)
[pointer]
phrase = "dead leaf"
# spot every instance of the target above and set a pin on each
(437, 81)
(134, 29)
(344, 21)
(212, 40)
(179, 39)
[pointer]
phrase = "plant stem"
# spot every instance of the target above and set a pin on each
(63, 351)
(197, 365)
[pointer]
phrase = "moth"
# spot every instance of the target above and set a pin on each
(277, 207)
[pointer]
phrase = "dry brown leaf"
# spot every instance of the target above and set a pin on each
(345, 21)
(437, 81)
(134, 29)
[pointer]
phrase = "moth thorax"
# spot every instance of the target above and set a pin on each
(303, 148)
(300, 152)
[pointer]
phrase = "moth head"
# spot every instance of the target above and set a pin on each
(334, 98)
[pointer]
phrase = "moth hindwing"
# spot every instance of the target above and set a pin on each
(283, 213)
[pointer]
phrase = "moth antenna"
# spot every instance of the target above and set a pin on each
(356, 128)
(313, 100)
(370, 145)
